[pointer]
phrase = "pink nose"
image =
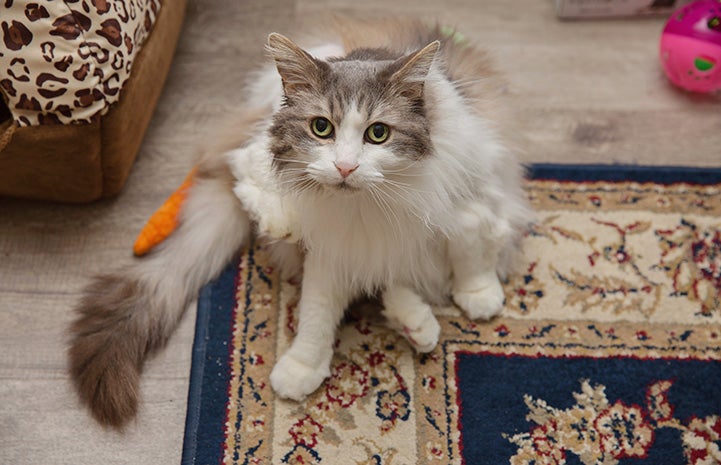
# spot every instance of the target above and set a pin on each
(345, 168)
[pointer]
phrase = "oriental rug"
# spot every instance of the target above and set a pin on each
(608, 350)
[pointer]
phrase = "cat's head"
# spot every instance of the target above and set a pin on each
(350, 124)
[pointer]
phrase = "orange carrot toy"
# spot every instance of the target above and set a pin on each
(164, 221)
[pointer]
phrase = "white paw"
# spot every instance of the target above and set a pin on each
(276, 226)
(293, 379)
(422, 335)
(248, 194)
(483, 302)
(266, 209)
(425, 337)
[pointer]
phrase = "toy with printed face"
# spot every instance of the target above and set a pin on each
(691, 46)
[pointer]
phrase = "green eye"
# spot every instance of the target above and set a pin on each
(321, 127)
(377, 133)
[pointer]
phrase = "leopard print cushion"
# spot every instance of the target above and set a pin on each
(66, 61)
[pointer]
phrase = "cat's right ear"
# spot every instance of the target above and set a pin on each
(297, 68)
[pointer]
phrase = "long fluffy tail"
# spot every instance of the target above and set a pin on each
(125, 316)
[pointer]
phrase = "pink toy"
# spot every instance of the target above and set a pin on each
(691, 46)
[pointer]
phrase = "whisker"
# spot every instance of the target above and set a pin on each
(289, 180)
(398, 191)
(296, 184)
(397, 183)
(412, 210)
(381, 201)
(407, 188)
(302, 188)
(409, 166)
(406, 175)
(287, 160)
(374, 194)
(295, 169)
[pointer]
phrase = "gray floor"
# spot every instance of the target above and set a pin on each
(586, 91)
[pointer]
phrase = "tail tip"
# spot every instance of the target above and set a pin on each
(108, 388)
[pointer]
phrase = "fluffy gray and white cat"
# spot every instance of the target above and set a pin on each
(375, 161)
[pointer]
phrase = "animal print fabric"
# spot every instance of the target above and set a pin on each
(66, 61)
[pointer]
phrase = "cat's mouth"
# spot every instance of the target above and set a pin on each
(342, 187)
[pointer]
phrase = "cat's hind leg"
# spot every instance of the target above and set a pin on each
(474, 253)
(411, 317)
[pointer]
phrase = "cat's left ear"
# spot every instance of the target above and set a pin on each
(296, 67)
(413, 69)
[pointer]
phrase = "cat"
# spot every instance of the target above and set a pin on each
(374, 163)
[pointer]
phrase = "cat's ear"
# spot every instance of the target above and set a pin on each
(296, 67)
(411, 70)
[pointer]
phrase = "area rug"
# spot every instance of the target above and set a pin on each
(608, 350)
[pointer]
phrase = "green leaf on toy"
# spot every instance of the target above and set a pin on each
(704, 63)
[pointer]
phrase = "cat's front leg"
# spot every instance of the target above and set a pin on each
(474, 253)
(411, 317)
(272, 216)
(304, 366)
(256, 188)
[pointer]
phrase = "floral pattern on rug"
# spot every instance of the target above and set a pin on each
(642, 252)
(600, 432)
(691, 257)
(612, 271)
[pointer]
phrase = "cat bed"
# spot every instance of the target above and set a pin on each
(80, 85)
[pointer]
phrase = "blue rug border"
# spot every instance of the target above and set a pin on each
(664, 174)
(212, 338)
(208, 389)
